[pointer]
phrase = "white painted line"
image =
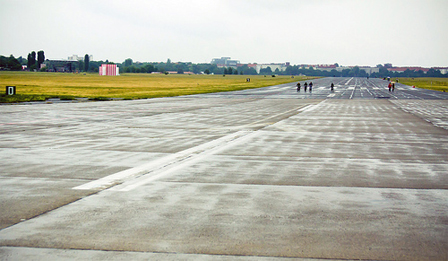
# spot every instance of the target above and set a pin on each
(121, 176)
(312, 107)
(349, 81)
(353, 92)
(167, 162)
(307, 108)
(145, 179)
(286, 112)
(331, 95)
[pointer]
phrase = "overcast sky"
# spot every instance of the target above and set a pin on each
(348, 32)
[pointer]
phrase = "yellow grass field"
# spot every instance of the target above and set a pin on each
(437, 84)
(41, 85)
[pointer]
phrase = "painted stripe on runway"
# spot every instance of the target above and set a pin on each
(157, 164)
(309, 106)
(145, 179)
(159, 167)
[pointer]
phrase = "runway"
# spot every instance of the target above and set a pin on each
(344, 88)
(262, 174)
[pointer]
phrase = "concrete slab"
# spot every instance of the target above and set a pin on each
(251, 176)
(25, 253)
(253, 220)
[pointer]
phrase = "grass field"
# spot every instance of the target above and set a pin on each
(437, 84)
(41, 86)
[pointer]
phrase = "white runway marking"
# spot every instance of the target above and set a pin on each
(155, 169)
(349, 81)
(162, 163)
(145, 179)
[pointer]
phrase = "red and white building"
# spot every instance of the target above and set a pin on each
(109, 69)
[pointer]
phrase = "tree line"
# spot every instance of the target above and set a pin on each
(128, 66)
(34, 62)
(15, 64)
(10, 63)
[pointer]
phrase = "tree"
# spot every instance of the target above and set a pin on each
(251, 71)
(355, 71)
(3, 61)
(128, 62)
(408, 73)
(434, 73)
(11, 63)
(86, 62)
(28, 62)
(21, 60)
(345, 72)
(40, 58)
(383, 72)
(80, 65)
(291, 70)
(266, 71)
(196, 69)
(31, 60)
(150, 68)
(335, 73)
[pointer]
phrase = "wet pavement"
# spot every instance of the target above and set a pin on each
(262, 174)
(344, 88)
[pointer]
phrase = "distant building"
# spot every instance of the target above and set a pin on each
(274, 66)
(61, 65)
(109, 69)
(307, 66)
(443, 70)
(369, 70)
(77, 58)
(225, 62)
(403, 69)
(327, 67)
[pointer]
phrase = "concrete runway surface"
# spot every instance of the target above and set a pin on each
(265, 174)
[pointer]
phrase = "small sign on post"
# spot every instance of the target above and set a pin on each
(10, 90)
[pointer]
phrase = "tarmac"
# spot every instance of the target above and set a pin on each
(265, 174)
